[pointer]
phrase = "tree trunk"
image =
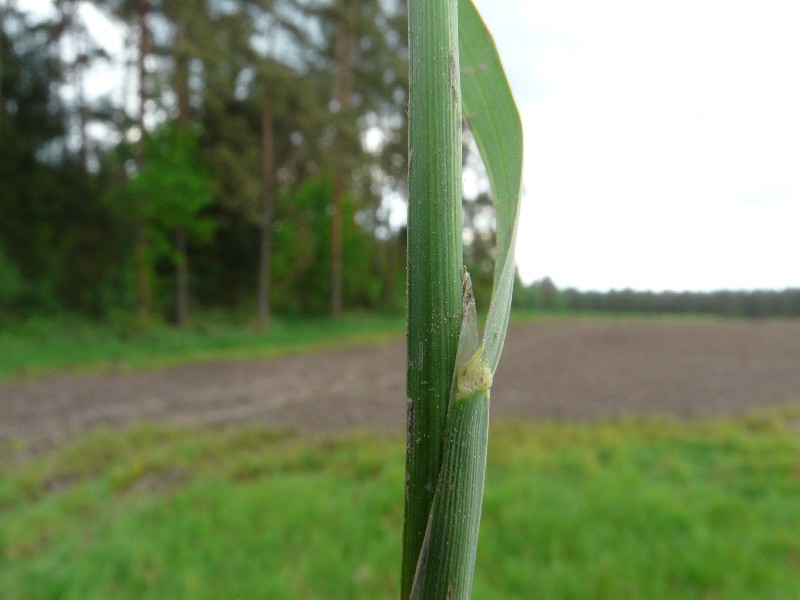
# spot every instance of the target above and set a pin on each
(2, 67)
(181, 277)
(181, 84)
(79, 66)
(83, 116)
(342, 92)
(142, 240)
(337, 262)
(267, 209)
(76, 34)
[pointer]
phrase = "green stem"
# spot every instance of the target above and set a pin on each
(434, 256)
(447, 560)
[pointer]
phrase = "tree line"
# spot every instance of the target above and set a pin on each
(246, 161)
(546, 296)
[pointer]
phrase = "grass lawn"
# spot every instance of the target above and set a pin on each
(629, 509)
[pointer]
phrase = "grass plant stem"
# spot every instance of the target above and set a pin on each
(434, 256)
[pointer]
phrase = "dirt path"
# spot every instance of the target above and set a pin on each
(573, 369)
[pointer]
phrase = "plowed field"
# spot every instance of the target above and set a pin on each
(566, 369)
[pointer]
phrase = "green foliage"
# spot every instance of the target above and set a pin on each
(302, 250)
(67, 219)
(540, 295)
(30, 119)
(644, 510)
(176, 187)
(12, 285)
(66, 245)
(544, 295)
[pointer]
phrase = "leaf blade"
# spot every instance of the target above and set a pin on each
(492, 114)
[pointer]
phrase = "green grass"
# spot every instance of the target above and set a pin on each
(39, 347)
(632, 509)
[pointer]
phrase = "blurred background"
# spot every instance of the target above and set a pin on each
(202, 300)
(161, 158)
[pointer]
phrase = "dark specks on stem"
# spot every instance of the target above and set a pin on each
(454, 75)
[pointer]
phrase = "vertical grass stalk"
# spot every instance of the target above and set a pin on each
(447, 558)
(434, 256)
(450, 370)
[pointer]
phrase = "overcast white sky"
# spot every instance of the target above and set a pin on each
(662, 140)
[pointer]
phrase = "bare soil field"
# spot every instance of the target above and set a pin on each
(557, 369)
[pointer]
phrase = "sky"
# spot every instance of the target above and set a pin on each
(662, 141)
